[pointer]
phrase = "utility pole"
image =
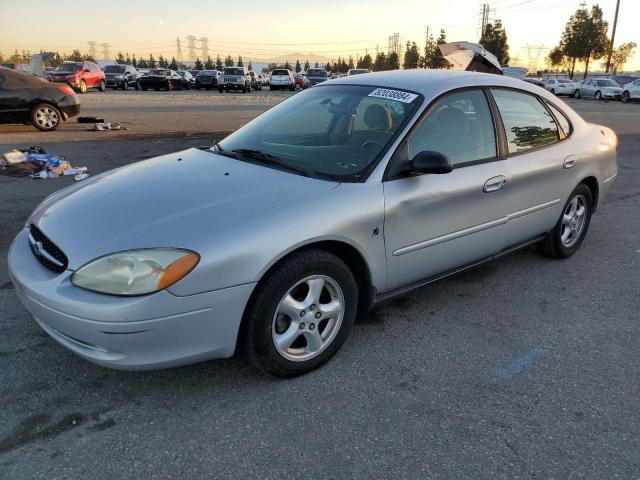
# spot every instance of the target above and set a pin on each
(613, 36)
(484, 18)
(92, 49)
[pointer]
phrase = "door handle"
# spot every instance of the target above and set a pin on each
(569, 162)
(494, 184)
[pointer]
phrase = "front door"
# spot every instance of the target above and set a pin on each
(435, 223)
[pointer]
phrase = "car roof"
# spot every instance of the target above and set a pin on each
(431, 82)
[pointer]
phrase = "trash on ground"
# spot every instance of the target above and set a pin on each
(35, 162)
(107, 126)
(90, 120)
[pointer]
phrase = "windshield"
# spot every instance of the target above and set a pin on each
(114, 69)
(160, 73)
(337, 132)
(316, 72)
(280, 72)
(233, 71)
(607, 83)
(207, 73)
(68, 67)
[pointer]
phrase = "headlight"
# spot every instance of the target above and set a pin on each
(136, 272)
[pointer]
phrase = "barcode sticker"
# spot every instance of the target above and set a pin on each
(398, 95)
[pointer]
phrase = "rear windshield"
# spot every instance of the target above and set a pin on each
(280, 72)
(115, 69)
(316, 72)
(68, 67)
(207, 73)
(233, 71)
(607, 83)
(161, 73)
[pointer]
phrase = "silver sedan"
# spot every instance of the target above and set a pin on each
(344, 196)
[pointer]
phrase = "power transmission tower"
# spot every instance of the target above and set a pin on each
(204, 47)
(179, 51)
(534, 53)
(92, 49)
(613, 37)
(105, 51)
(394, 44)
(191, 47)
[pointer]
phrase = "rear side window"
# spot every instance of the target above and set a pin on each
(562, 119)
(526, 122)
(459, 126)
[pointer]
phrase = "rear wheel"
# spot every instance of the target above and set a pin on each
(568, 234)
(576, 94)
(626, 98)
(598, 96)
(300, 314)
(125, 85)
(553, 91)
(101, 86)
(83, 86)
(137, 86)
(220, 90)
(169, 86)
(45, 117)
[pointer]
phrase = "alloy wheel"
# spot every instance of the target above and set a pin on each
(573, 221)
(46, 118)
(308, 318)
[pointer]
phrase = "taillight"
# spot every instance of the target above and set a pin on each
(66, 89)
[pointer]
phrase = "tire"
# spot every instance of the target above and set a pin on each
(553, 92)
(220, 90)
(263, 325)
(553, 245)
(272, 88)
(45, 117)
(137, 85)
(169, 86)
(249, 89)
(626, 97)
(598, 96)
(144, 89)
(576, 94)
(125, 85)
(83, 87)
(101, 86)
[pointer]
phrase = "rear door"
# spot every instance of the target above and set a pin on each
(540, 159)
(16, 94)
(435, 223)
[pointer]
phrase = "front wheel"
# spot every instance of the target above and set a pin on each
(101, 86)
(598, 96)
(568, 234)
(300, 314)
(553, 92)
(83, 86)
(125, 85)
(137, 86)
(626, 98)
(45, 117)
(576, 94)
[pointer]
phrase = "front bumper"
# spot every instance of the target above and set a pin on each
(130, 333)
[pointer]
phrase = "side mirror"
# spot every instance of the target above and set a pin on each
(431, 162)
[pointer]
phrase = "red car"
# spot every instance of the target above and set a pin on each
(79, 75)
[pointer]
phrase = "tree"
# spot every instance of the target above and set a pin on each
(142, 63)
(366, 62)
(411, 56)
(120, 58)
(351, 64)
(219, 64)
(494, 40)
(298, 68)
(393, 61)
(316, 65)
(162, 63)
(208, 65)
(152, 61)
(173, 65)
(621, 55)
(228, 61)
(134, 62)
(198, 65)
(240, 62)
(433, 57)
(75, 56)
(250, 67)
(380, 62)
(287, 65)
(306, 65)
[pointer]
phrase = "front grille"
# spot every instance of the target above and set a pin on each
(47, 252)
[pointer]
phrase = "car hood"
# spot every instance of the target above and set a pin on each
(176, 200)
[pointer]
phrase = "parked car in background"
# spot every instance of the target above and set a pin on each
(271, 241)
(631, 91)
(560, 86)
(598, 89)
(235, 78)
(301, 82)
(282, 79)
(317, 75)
(265, 79)
(623, 79)
(207, 79)
(357, 71)
(161, 79)
(188, 80)
(121, 76)
(534, 81)
(81, 76)
(25, 98)
(256, 83)
(195, 72)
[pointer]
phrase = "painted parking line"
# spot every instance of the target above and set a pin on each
(518, 365)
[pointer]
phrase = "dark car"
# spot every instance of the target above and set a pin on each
(162, 78)
(535, 81)
(25, 98)
(235, 78)
(195, 72)
(207, 79)
(188, 80)
(122, 76)
(317, 75)
(622, 80)
(256, 81)
(79, 75)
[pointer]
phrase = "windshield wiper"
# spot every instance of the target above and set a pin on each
(270, 159)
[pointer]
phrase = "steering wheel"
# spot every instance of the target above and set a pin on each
(368, 143)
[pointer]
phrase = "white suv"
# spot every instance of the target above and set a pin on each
(631, 91)
(282, 78)
(560, 86)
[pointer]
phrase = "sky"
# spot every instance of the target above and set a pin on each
(262, 30)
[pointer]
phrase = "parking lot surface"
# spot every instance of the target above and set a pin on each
(524, 367)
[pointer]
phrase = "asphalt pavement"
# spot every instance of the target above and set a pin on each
(524, 367)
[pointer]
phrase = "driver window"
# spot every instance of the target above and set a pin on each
(460, 126)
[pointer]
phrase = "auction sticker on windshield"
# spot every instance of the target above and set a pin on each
(394, 95)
